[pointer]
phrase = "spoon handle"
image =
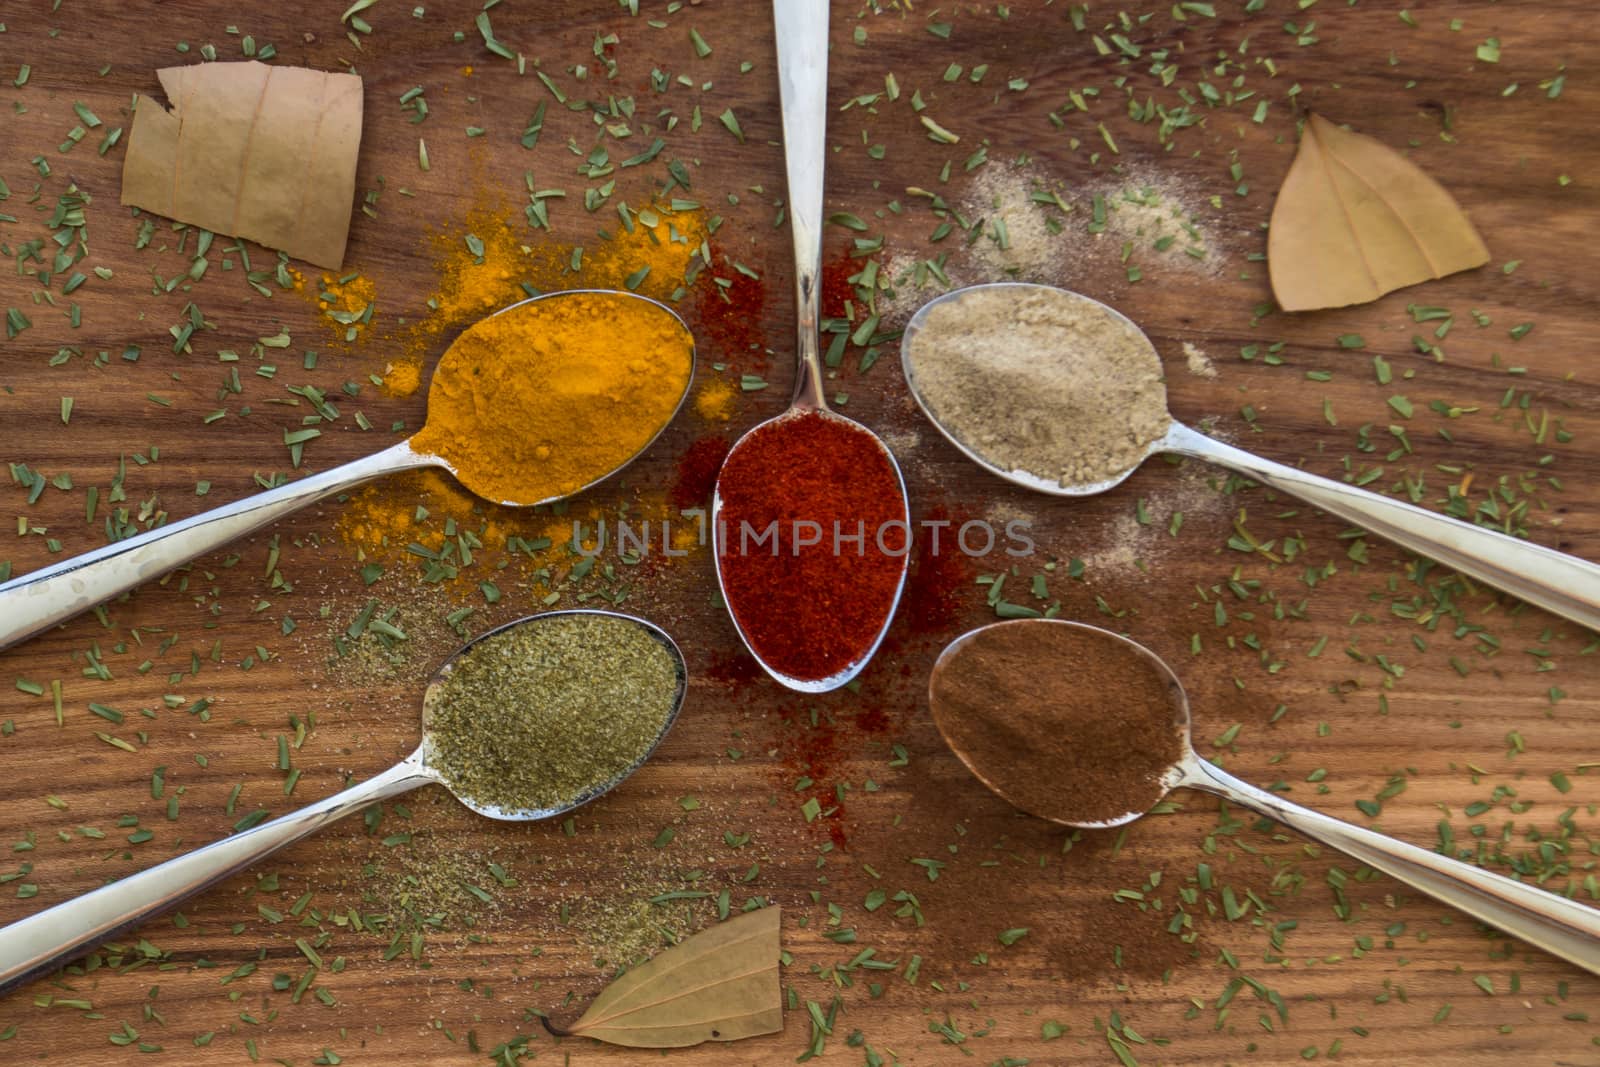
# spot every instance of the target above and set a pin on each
(801, 29)
(32, 947)
(38, 600)
(1560, 926)
(1559, 583)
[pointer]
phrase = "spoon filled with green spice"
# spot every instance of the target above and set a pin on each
(525, 722)
(1057, 392)
(1086, 728)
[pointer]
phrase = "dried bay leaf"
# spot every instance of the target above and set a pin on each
(719, 985)
(250, 150)
(1355, 220)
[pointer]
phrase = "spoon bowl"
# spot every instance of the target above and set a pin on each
(38, 600)
(43, 941)
(426, 751)
(995, 776)
(1026, 479)
(845, 675)
(541, 301)
(1559, 583)
(1556, 924)
(801, 34)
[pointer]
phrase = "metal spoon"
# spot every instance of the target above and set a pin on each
(38, 944)
(1560, 926)
(36, 601)
(801, 28)
(1555, 581)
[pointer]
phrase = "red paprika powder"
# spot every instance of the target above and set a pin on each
(728, 315)
(812, 539)
(697, 472)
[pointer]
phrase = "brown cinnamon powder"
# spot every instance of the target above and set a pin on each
(1064, 721)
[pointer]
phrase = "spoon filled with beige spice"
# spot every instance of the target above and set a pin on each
(525, 722)
(1077, 725)
(1059, 393)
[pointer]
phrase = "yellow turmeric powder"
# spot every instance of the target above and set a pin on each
(347, 304)
(401, 377)
(714, 402)
(538, 402)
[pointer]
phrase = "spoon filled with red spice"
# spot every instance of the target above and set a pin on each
(1097, 741)
(810, 521)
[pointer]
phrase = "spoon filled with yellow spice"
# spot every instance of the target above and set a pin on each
(537, 402)
(526, 722)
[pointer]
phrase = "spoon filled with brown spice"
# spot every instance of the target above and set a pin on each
(1102, 737)
(532, 404)
(1059, 393)
(527, 721)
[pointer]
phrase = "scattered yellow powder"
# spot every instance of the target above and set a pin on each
(475, 278)
(652, 258)
(472, 283)
(715, 400)
(346, 303)
(402, 378)
(459, 535)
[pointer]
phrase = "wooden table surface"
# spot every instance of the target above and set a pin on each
(1332, 667)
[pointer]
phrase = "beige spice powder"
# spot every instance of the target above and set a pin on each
(1040, 381)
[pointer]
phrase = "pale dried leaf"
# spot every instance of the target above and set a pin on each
(719, 985)
(250, 150)
(1355, 220)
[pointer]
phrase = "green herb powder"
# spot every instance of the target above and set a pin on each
(537, 716)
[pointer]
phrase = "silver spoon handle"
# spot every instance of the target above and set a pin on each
(801, 28)
(1559, 583)
(34, 946)
(1560, 926)
(36, 601)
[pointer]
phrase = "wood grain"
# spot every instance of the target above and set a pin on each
(1337, 689)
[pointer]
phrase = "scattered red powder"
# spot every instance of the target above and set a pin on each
(697, 472)
(734, 668)
(728, 318)
(835, 289)
(813, 750)
(934, 586)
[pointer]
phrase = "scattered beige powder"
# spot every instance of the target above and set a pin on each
(1153, 216)
(1124, 544)
(1198, 362)
(1041, 381)
(1003, 514)
(1021, 225)
(912, 284)
(903, 442)
(1032, 227)
(1023, 235)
